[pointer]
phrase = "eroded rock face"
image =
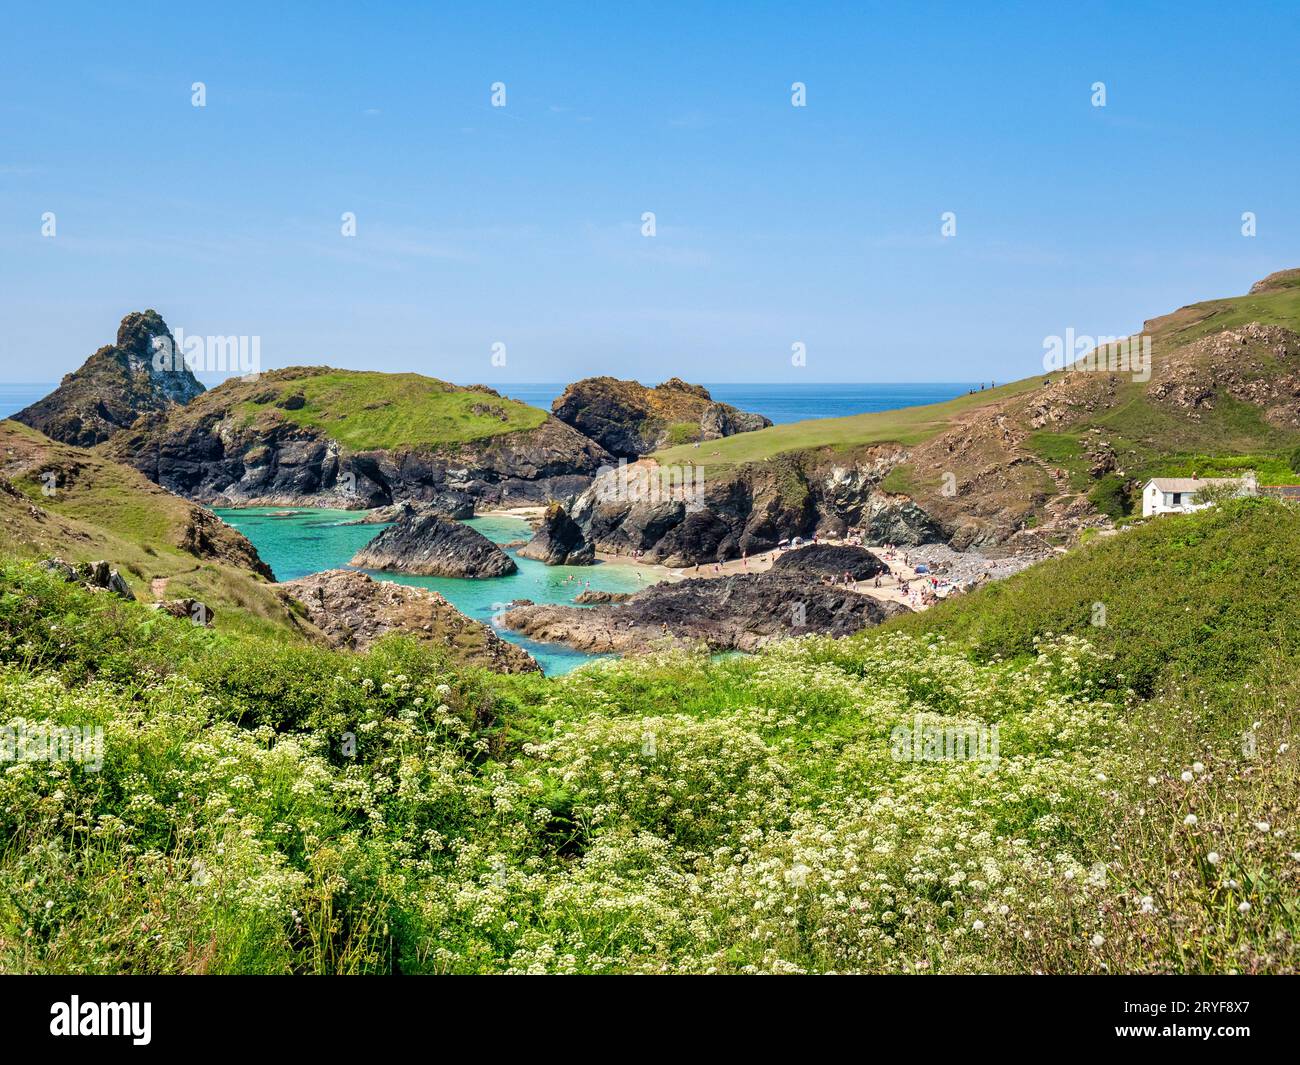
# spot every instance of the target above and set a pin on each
(629, 420)
(830, 560)
(429, 544)
(741, 612)
(115, 386)
(559, 541)
(749, 509)
(353, 611)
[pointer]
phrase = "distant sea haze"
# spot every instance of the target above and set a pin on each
(780, 402)
(791, 402)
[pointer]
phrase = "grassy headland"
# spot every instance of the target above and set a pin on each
(366, 410)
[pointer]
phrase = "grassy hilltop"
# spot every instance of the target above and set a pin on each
(1274, 301)
(366, 410)
(1221, 398)
(681, 813)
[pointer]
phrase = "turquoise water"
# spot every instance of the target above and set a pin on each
(788, 402)
(295, 543)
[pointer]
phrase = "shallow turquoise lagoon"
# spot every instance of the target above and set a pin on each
(295, 543)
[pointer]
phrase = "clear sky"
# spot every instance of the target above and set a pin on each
(522, 225)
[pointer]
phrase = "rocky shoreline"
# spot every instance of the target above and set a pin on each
(742, 612)
(353, 610)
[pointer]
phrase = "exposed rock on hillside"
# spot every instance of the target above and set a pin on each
(1228, 364)
(96, 576)
(830, 560)
(558, 541)
(115, 386)
(353, 611)
(192, 610)
(250, 443)
(90, 504)
(751, 508)
(429, 544)
(740, 612)
(628, 419)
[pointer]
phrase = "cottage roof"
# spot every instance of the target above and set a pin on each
(1191, 484)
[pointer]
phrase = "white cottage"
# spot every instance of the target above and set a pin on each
(1178, 495)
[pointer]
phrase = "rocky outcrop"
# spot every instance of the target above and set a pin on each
(429, 544)
(242, 444)
(682, 520)
(595, 595)
(741, 612)
(353, 611)
(95, 576)
(830, 560)
(722, 419)
(629, 420)
(116, 385)
(192, 610)
(558, 541)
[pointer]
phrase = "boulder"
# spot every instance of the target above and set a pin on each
(559, 541)
(427, 543)
(593, 596)
(830, 560)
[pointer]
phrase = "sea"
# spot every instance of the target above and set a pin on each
(296, 542)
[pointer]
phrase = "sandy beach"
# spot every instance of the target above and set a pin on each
(890, 589)
(891, 583)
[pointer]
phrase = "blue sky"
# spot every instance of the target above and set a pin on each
(522, 225)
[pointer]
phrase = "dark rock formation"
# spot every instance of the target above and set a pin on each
(830, 560)
(558, 541)
(116, 385)
(749, 509)
(722, 419)
(740, 612)
(629, 420)
(429, 544)
(353, 611)
(95, 576)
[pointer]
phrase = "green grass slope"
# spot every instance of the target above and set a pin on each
(908, 425)
(367, 410)
(291, 809)
(165, 547)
